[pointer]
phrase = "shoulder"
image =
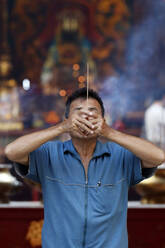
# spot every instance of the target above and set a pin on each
(51, 145)
(154, 108)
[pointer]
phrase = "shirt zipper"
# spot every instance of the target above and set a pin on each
(86, 204)
(85, 211)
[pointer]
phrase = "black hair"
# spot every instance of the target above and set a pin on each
(82, 93)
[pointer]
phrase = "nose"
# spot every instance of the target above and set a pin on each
(85, 116)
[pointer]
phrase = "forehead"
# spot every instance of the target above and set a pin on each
(83, 102)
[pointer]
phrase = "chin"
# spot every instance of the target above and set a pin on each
(77, 136)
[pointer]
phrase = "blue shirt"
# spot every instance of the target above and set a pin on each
(82, 212)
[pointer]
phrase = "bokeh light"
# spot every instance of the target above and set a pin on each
(76, 67)
(62, 92)
(81, 79)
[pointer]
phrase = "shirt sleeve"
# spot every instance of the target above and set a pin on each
(135, 172)
(38, 160)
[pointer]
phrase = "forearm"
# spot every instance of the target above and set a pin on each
(22, 146)
(143, 149)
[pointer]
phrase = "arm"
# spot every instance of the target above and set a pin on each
(150, 155)
(18, 150)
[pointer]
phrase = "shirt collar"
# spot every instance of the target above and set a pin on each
(100, 149)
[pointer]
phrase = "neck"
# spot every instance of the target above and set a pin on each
(85, 147)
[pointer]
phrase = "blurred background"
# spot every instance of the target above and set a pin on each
(44, 50)
(45, 46)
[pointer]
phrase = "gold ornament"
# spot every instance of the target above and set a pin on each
(112, 18)
(34, 233)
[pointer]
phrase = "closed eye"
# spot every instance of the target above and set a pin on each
(78, 108)
(93, 109)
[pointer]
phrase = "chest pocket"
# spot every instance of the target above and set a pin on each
(61, 182)
(109, 197)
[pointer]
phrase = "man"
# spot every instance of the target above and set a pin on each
(84, 182)
(154, 120)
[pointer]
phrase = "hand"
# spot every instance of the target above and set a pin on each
(78, 123)
(99, 126)
(96, 123)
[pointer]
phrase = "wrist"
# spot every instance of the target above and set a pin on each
(64, 126)
(59, 128)
(108, 132)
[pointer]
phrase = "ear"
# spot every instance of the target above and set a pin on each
(104, 120)
(65, 118)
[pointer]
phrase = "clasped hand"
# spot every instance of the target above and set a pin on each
(87, 124)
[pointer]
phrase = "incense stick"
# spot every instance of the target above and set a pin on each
(87, 81)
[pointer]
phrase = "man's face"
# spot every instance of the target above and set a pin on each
(81, 107)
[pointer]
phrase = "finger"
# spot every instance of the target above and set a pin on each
(78, 129)
(96, 121)
(82, 131)
(86, 122)
(76, 126)
(98, 125)
(83, 126)
(97, 131)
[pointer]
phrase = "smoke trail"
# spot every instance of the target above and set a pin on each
(144, 57)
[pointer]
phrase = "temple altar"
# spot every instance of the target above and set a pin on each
(21, 222)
